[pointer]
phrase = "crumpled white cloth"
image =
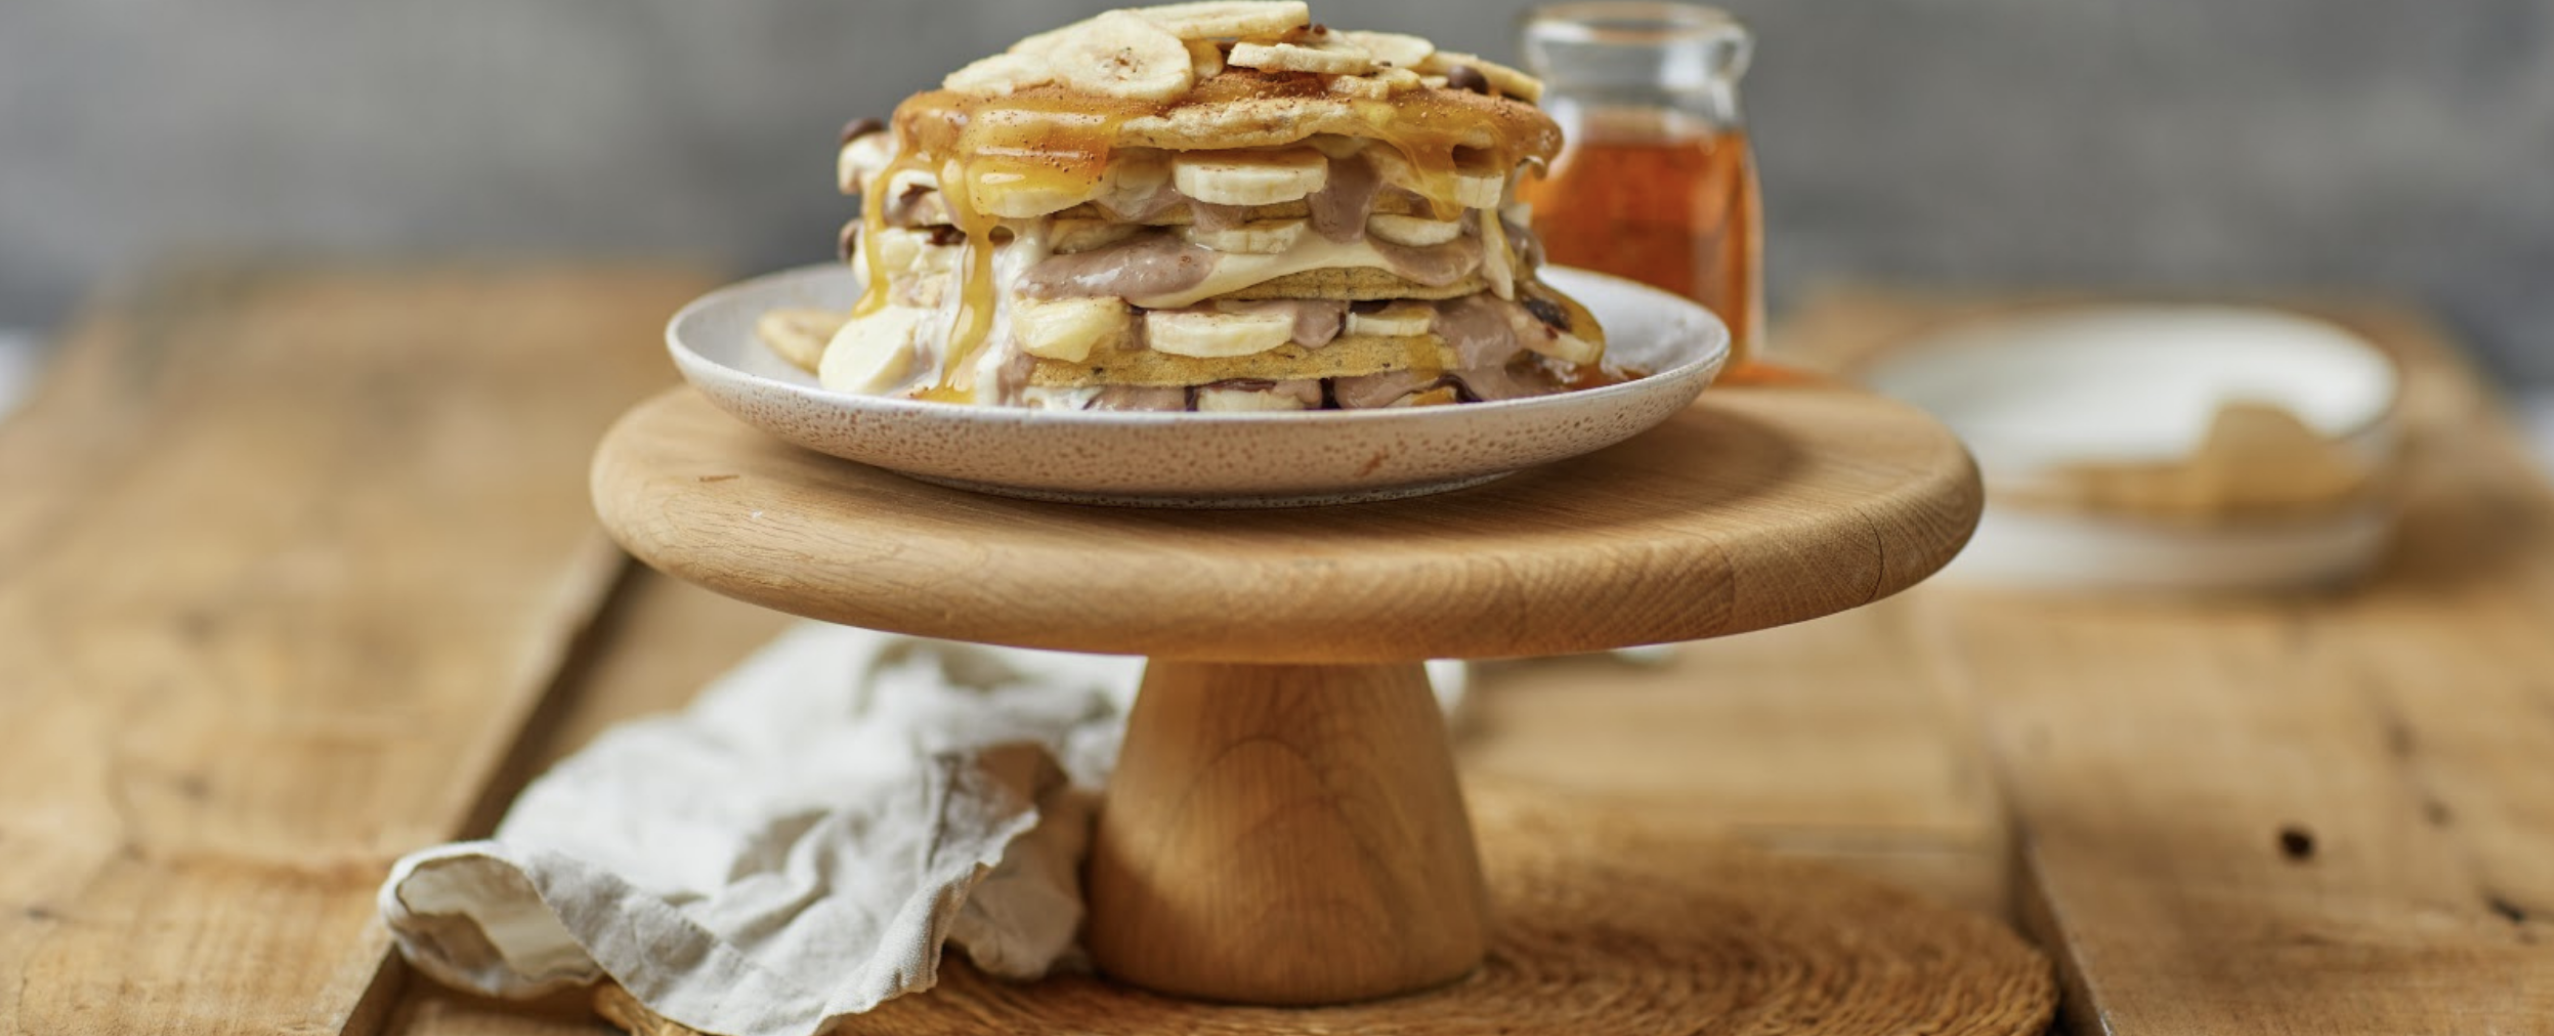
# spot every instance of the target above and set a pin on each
(796, 846)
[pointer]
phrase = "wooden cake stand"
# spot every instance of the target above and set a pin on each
(1285, 826)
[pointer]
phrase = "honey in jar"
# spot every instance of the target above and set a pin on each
(1656, 183)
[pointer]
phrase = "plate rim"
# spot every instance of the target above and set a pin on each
(1714, 356)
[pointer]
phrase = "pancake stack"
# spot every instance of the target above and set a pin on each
(1207, 206)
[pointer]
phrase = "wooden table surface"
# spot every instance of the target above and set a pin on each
(297, 573)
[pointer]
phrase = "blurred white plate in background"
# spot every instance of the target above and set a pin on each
(2102, 432)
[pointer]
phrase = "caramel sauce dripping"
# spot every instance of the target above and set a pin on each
(1054, 142)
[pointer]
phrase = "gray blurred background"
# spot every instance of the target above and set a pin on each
(2388, 145)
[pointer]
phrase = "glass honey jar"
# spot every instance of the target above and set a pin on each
(1656, 181)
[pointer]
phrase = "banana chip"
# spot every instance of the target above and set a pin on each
(799, 334)
(1229, 19)
(1334, 57)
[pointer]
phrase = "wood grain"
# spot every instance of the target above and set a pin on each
(1607, 925)
(290, 564)
(2327, 814)
(1757, 508)
(1284, 835)
(1817, 740)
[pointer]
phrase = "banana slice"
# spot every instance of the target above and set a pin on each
(903, 251)
(1398, 80)
(1067, 236)
(861, 160)
(1472, 188)
(1442, 395)
(1218, 400)
(1216, 335)
(1121, 54)
(1392, 49)
(1402, 319)
(1250, 177)
(1365, 87)
(1268, 237)
(1000, 75)
(1229, 19)
(1564, 346)
(1068, 329)
(1205, 59)
(1413, 230)
(1333, 56)
(1503, 79)
(1382, 84)
(799, 334)
(1498, 264)
(871, 354)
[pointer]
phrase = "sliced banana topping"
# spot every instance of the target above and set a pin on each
(1129, 53)
(1068, 329)
(1116, 54)
(1331, 56)
(1416, 231)
(1501, 78)
(871, 354)
(999, 75)
(1229, 19)
(1268, 237)
(1212, 334)
(1123, 54)
(1250, 177)
(799, 333)
(1392, 49)
(1399, 320)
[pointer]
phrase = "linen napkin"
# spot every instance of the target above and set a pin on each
(796, 846)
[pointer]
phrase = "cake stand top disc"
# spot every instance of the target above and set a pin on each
(1755, 508)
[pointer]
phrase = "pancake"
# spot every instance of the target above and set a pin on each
(1390, 203)
(1154, 201)
(1245, 108)
(1345, 356)
(1355, 284)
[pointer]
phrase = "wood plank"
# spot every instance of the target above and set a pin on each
(1812, 740)
(308, 552)
(2155, 751)
(661, 640)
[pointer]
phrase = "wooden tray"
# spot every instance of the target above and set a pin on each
(297, 573)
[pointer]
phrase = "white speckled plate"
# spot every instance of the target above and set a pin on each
(1197, 460)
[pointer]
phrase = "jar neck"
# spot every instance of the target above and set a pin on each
(1613, 55)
